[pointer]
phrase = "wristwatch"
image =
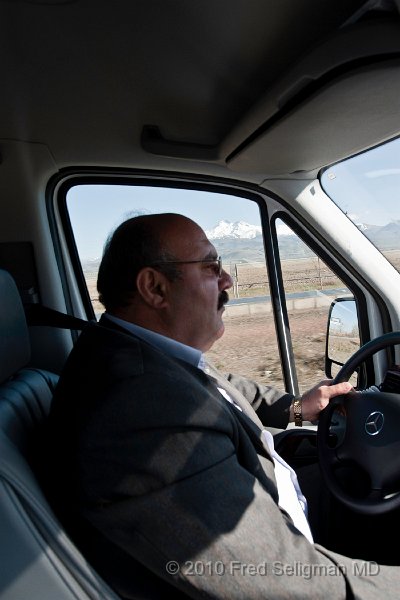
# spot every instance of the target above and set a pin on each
(298, 417)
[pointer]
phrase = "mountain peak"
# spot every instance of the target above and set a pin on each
(236, 230)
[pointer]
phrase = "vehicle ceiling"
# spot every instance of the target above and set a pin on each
(240, 88)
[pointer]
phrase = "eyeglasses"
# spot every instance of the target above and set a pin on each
(213, 262)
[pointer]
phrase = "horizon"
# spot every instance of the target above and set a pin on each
(283, 232)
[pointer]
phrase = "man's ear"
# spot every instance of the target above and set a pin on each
(152, 287)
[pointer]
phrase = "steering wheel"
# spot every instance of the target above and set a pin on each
(359, 441)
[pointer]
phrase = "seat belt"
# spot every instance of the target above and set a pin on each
(36, 314)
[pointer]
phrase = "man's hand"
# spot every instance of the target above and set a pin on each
(315, 400)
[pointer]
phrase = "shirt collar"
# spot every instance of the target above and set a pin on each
(193, 356)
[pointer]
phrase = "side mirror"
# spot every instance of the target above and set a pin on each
(343, 334)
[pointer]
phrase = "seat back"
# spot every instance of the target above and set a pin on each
(38, 560)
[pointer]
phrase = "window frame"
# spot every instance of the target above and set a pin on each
(64, 243)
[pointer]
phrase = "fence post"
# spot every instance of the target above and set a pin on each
(319, 273)
(234, 274)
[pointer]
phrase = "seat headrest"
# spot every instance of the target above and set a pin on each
(15, 349)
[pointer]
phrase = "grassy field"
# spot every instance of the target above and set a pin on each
(299, 274)
(251, 279)
(249, 345)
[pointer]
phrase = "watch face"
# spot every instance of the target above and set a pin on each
(298, 417)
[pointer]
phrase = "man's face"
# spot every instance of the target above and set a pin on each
(196, 301)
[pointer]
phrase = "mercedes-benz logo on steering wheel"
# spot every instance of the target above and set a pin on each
(374, 423)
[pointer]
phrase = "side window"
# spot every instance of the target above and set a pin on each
(233, 224)
(310, 288)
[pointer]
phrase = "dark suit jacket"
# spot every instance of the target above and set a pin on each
(166, 485)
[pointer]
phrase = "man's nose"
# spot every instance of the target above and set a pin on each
(225, 281)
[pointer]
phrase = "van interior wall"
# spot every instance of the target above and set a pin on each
(27, 250)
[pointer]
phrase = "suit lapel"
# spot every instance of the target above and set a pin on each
(236, 396)
(247, 416)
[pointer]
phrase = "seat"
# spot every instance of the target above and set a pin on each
(38, 561)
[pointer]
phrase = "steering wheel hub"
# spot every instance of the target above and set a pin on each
(359, 441)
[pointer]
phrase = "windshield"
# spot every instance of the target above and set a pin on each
(367, 189)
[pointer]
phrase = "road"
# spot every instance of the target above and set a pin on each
(307, 294)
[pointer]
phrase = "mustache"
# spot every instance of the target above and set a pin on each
(223, 298)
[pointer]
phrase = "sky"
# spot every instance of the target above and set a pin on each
(366, 187)
(108, 206)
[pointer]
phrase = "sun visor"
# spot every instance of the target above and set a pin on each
(342, 118)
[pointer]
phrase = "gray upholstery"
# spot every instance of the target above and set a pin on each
(38, 561)
(14, 338)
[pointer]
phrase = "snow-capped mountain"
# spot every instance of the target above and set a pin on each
(242, 230)
(362, 226)
(242, 242)
(385, 237)
(238, 230)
